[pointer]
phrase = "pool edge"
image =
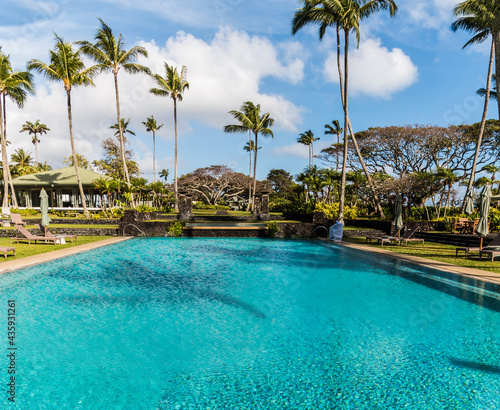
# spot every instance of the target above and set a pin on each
(57, 254)
(485, 276)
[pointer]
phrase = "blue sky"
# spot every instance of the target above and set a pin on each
(410, 69)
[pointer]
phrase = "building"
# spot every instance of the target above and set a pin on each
(61, 186)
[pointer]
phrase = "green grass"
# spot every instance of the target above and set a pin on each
(23, 249)
(438, 252)
(76, 226)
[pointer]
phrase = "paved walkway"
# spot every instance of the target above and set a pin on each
(483, 275)
(60, 253)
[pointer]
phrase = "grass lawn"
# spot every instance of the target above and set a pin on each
(23, 249)
(76, 226)
(438, 252)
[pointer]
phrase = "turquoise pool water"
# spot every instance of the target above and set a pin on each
(249, 324)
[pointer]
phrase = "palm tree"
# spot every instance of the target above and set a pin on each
(110, 55)
(344, 15)
(307, 138)
(22, 162)
(34, 128)
(482, 19)
(250, 148)
(152, 126)
(16, 85)
(122, 128)
(448, 178)
(172, 85)
(66, 66)
(251, 120)
(164, 174)
(335, 130)
(106, 187)
(493, 95)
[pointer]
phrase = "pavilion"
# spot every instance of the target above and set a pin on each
(61, 186)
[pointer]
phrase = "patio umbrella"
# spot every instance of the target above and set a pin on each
(484, 209)
(398, 213)
(469, 203)
(44, 208)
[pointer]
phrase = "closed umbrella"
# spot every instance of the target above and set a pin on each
(484, 209)
(44, 208)
(398, 213)
(469, 203)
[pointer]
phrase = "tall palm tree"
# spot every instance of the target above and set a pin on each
(250, 119)
(172, 85)
(16, 85)
(307, 138)
(335, 130)
(152, 126)
(344, 15)
(448, 178)
(164, 174)
(122, 128)
(34, 128)
(482, 19)
(493, 92)
(110, 55)
(66, 66)
(250, 148)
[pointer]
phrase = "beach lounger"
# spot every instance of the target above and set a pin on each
(48, 233)
(408, 236)
(17, 219)
(394, 232)
(28, 236)
(6, 249)
(491, 247)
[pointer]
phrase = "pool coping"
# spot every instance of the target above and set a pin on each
(485, 276)
(60, 253)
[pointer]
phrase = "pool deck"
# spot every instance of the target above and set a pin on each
(60, 253)
(483, 275)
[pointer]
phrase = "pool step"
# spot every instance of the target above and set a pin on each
(225, 229)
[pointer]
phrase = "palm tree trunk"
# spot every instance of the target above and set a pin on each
(254, 171)
(345, 104)
(120, 132)
(73, 151)
(176, 203)
(9, 176)
(154, 159)
(483, 121)
(36, 151)
(5, 162)
(312, 154)
(249, 169)
(496, 39)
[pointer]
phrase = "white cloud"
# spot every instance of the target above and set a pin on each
(374, 70)
(293, 150)
(431, 14)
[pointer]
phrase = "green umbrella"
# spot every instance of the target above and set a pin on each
(44, 207)
(398, 213)
(469, 203)
(484, 209)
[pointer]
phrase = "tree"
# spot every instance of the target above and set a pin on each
(214, 184)
(251, 120)
(335, 130)
(112, 164)
(16, 85)
(81, 161)
(172, 85)
(110, 55)
(22, 163)
(344, 15)
(281, 182)
(493, 95)
(123, 126)
(448, 178)
(152, 126)
(107, 187)
(164, 174)
(66, 66)
(307, 138)
(34, 128)
(481, 18)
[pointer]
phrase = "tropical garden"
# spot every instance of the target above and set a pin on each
(359, 175)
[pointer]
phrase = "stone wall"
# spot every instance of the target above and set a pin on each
(12, 233)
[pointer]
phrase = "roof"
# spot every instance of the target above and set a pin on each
(63, 177)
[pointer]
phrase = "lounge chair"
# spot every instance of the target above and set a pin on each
(394, 232)
(50, 234)
(28, 236)
(6, 249)
(17, 219)
(491, 247)
(5, 212)
(408, 236)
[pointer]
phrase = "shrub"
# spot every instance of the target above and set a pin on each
(175, 229)
(25, 212)
(145, 208)
(201, 205)
(494, 219)
(331, 211)
(272, 229)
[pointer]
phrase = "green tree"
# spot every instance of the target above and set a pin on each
(281, 183)
(106, 187)
(164, 174)
(482, 19)
(34, 128)
(493, 94)
(307, 138)
(335, 130)
(22, 162)
(110, 55)
(344, 15)
(448, 178)
(66, 66)
(111, 165)
(152, 126)
(16, 85)
(251, 120)
(172, 85)
(81, 161)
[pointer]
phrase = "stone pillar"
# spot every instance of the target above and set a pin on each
(185, 209)
(264, 211)
(256, 207)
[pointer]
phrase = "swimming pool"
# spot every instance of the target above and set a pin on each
(182, 323)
